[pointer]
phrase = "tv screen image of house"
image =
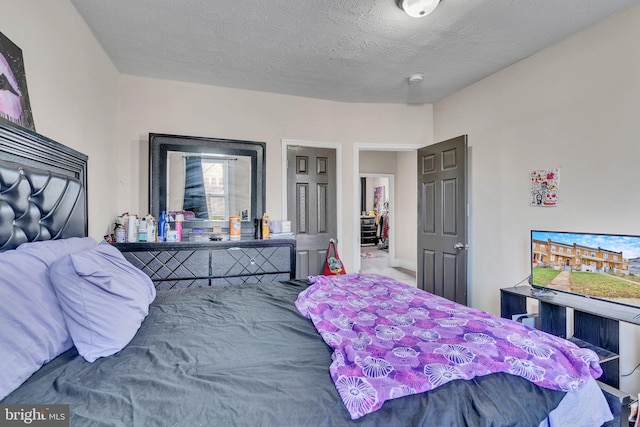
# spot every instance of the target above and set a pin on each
(603, 266)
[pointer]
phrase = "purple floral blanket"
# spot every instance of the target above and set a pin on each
(391, 340)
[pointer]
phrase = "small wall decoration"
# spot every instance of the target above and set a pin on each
(14, 98)
(544, 187)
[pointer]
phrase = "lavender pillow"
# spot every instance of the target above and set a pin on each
(49, 251)
(32, 326)
(104, 299)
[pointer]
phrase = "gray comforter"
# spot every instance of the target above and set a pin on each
(244, 356)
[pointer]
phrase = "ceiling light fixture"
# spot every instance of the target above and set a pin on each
(418, 8)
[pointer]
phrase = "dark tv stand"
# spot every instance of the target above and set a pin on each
(595, 322)
(596, 325)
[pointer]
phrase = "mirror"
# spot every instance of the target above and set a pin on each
(212, 186)
(209, 179)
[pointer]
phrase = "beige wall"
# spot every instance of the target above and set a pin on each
(406, 223)
(573, 106)
(150, 105)
(373, 162)
(72, 89)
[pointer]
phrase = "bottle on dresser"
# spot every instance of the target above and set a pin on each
(171, 234)
(120, 231)
(142, 230)
(152, 229)
(132, 229)
(162, 224)
(179, 221)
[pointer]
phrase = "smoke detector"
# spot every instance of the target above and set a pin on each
(415, 78)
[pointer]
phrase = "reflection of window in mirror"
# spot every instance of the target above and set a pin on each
(212, 186)
(216, 177)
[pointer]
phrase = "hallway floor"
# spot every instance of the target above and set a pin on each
(376, 261)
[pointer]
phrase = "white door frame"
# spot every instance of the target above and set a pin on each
(315, 144)
(357, 147)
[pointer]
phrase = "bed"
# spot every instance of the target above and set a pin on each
(86, 329)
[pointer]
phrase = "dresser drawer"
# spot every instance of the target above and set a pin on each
(244, 261)
(171, 264)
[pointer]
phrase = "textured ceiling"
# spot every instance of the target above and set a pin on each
(341, 50)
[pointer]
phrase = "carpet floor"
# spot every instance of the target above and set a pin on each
(376, 261)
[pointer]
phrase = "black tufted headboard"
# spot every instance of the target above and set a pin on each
(42, 188)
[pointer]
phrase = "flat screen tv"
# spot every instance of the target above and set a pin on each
(602, 266)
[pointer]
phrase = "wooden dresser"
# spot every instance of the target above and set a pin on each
(199, 264)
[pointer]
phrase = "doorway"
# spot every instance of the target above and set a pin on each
(397, 162)
(377, 228)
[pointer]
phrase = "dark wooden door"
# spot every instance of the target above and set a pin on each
(442, 219)
(311, 205)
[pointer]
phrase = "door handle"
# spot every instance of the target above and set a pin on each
(460, 246)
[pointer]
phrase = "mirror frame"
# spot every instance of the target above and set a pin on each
(160, 144)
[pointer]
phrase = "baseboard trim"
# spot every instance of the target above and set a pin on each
(402, 263)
